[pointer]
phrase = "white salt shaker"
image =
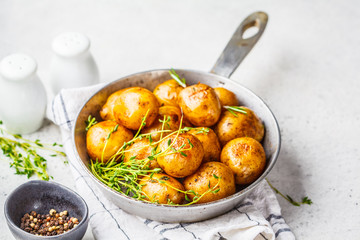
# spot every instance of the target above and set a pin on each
(72, 64)
(22, 94)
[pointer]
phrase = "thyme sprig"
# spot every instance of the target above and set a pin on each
(203, 130)
(24, 156)
(176, 77)
(91, 121)
(233, 109)
(186, 129)
(305, 200)
(165, 122)
(124, 176)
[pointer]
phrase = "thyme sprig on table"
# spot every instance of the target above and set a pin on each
(305, 200)
(233, 109)
(124, 177)
(24, 156)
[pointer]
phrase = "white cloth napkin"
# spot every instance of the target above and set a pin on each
(257, 217)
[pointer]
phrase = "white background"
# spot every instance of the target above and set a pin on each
(306, 67)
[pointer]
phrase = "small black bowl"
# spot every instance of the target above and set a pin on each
(41, 196)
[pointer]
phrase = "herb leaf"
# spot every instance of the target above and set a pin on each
(176, 77)
(91, 121)
(182, 153)
(305, 200)
(233, 109)
(203, 130)
(24, 156)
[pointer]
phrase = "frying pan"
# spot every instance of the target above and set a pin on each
(233, 54)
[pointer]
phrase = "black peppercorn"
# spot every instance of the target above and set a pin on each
(48, 224)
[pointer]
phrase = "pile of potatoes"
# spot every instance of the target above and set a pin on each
(221, 149)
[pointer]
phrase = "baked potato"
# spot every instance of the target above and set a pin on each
(246, 158)
(99, 146)
(206, 178)
(182, 155)
(107, 111)
(133, 104)
(210, 142)
(241, 125)
(140, 150)
(162, 189)
(172, 117)
(226, 97)
(200, 105)
(167, 93)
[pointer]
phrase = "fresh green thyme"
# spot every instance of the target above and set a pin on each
(24, 156)
(164, 122)
(91, 121)
(305, 200)
(124, 176)
(176, 77)
(186, 129)
(233, 109)
(203, 130)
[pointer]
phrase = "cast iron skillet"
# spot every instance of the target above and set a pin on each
(233, 54)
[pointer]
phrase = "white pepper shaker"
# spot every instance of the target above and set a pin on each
(22, 94)
(72, 64)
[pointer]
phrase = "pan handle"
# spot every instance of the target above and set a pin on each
(238, 47)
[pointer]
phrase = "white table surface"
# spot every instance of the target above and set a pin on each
(306, 67)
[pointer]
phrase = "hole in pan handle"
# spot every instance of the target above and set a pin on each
(238, 46)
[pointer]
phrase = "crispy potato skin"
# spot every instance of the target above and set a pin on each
(200, 104)
(107, 111)
(175, 117)
(226, 97)
(96, 140)
(210, 142)
(246, 158)
(177, 165)
(244, 125)
(167, 93)
(199, 181)
(160, 192)
(141, 149)
(132, 105)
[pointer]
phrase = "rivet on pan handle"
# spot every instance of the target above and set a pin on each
(238, 47)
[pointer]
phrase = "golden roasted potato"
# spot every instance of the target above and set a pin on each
(210, 142)
(241, 125)
(246, 158)
(133, 104)
(107, 111)
(185, 159)
(205, 179)
(200, 105)
(162, 193)
(172, 117)
(167, 93)
(141, 149)
(226, 97)
(99, 147)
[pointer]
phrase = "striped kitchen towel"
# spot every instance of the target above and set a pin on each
(257, 217)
